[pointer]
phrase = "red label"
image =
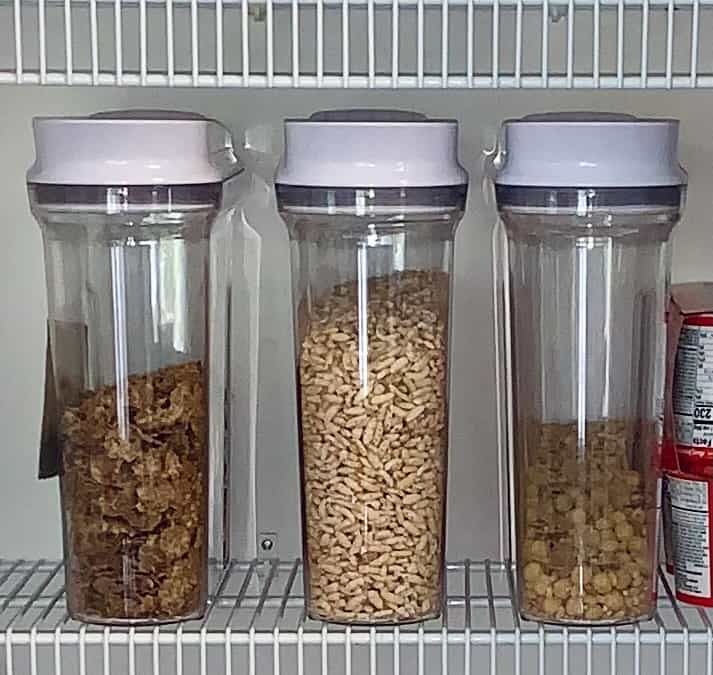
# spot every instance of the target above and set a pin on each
(698, 320)
(697, 461)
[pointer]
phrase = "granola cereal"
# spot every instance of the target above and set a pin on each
(134, 495)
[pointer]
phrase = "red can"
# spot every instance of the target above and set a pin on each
(687, 450)
(693, 395)
(691, 519)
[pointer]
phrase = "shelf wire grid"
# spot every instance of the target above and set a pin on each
(483, 44)
(257, 624)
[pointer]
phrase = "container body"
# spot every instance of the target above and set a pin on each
(371, 279)
(128, 293)
(587, 283)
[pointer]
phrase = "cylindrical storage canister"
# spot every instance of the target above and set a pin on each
(587, 204)
(372, 200)
(692, 395)
(126, 207)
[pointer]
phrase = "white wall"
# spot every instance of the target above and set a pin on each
(29, 513)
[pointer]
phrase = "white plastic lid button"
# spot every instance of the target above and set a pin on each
(370, 148)
(132, 148)
(589, 150)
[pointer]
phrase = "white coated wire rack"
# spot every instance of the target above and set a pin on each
(632, 44)
(257, 624)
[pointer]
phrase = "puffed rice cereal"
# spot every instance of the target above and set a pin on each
(374, 440)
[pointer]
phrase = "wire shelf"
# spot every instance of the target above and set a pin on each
(257, 624)
(550, 44)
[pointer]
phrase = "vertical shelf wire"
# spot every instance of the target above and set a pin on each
(541, 651)
(371, 46)
(570, 46)
(444, 636)
(155, 652)
(397, 651)
(324, 652)
(596, 43)
(245, 28)
(143, 43)
(682, 622)
(695, 28)
(57, 651)
(469, 43)
(68, 66)
(705, 620)
(496, 43)
(169, 43)
(219, 65)
(419, 42)
(320, 43)
(42, 35)
(132, 652)
(118, 49)
(17, 20)
(270, 37)
(620, 44)
(179, 650)
(94, 40)
(492, 618)
(444, 43)
(372, 652)
(565, 650)
(468, 618)
(512, 589)
(662, 648)
(295, 44)
(395, 30)
(644, 42)
(345, 43)
(518, 44)
(545, 42)
(195, 66)
(669, 43)
(300, 644)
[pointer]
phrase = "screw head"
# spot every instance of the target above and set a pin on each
(267, 544)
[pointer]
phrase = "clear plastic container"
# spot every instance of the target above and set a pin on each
(131, 300)
(371, 279)
(587, 272)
